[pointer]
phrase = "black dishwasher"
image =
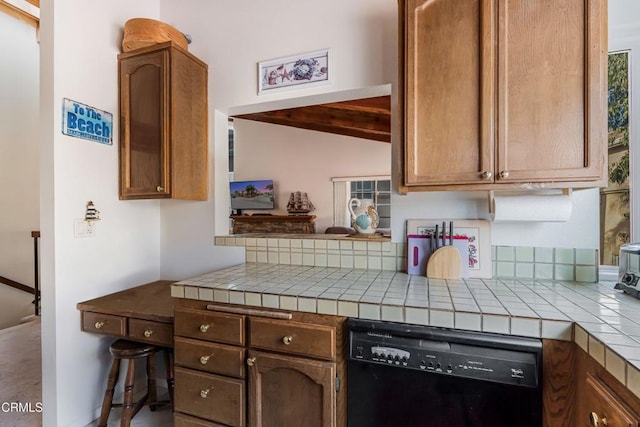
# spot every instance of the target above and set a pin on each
(405, 375)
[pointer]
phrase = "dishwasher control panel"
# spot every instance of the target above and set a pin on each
(445, 358)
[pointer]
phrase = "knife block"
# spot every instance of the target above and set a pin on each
(419, 251)
(445, 263)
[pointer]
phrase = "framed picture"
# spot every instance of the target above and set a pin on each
(305, 69)
(477, 230)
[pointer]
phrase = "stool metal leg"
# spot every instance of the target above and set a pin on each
(108, 394)
(127, 405)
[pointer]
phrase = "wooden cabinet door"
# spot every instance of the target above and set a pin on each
(449, 91)
(601, 407)
(552, 76)
(144, 136)
(289, 391)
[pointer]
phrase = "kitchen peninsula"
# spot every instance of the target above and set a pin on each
(602, 323)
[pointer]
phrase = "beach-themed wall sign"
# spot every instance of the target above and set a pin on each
(83, 121)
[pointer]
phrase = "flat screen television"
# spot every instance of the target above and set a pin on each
(251, 195)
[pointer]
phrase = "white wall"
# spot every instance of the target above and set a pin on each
(363, 38)
(19, 163)
(302, 160)
(231, 37)
(78, 61)
(581, 231)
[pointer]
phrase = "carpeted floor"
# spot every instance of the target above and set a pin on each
(21, 375)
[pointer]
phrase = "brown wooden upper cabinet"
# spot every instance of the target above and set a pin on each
(498, 93)
(163, 124)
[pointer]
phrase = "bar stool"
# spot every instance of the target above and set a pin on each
(130, 350)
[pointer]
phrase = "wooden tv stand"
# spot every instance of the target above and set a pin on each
(290, 224)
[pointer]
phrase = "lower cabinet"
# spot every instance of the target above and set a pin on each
(578, 391)
(601, 406)
(182, 420)
(601, 399)
(291, 391)
(211, 397)
(260, 368)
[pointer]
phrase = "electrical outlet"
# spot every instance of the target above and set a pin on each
(83, 228)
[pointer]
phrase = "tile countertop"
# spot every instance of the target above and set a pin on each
(602, 321)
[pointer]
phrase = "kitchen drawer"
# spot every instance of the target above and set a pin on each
(602, 403)
(211, 397)
(181, 420)
(104, 323)
(293, 337)
(210, 357)
(209, 325)
(150, 331)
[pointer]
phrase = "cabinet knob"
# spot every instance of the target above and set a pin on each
(205, 359)
(504, 174)
(251, 361)
(596, 421)
(287, 340)
(486, 175)
(99, 324)
(148, 333)
(204, 327)
(159, 188)
(205, 392)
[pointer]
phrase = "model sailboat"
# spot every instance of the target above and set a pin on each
(299, 203)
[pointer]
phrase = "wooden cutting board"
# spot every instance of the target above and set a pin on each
(444, 263)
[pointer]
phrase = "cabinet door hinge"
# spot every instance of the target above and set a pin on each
(337, 383)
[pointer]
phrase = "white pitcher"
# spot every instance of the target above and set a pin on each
(364, 218)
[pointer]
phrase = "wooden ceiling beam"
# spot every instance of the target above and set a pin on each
(368, 118)
(379, 104)
(356, 132)
(18, 13)
(331, 116)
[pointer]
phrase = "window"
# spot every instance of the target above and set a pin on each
(620, 199)
(376, 188)
(380, 192)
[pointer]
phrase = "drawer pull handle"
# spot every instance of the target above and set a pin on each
(504, 174)
(204, 328)
(205, 392)
(159, 189)
(287, 340)
(486, 175)
(205, 359)
(251, 361)
(148, 333)
(100, 324)
(596, 421)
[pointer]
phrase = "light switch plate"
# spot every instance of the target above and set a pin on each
(82, 228)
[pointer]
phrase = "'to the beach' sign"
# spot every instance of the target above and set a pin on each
(83, 121)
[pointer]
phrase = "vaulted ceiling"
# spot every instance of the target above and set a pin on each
(368, 118)
(25, 13)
